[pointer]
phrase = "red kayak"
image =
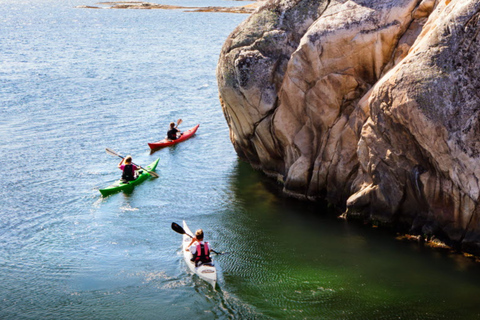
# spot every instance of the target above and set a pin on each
(165, 142)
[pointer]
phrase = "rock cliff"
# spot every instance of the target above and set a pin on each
(371, 104)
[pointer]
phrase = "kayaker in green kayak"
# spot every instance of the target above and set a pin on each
(128, 169)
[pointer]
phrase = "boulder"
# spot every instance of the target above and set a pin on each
(370, 104)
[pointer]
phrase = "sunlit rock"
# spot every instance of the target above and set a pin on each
(373, 105)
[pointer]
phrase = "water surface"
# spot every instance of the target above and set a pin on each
(76, 81)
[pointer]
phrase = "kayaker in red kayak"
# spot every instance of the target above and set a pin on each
(199, 249)
(172, 134)
(128, 169)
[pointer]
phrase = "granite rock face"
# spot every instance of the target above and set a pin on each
(371, 104)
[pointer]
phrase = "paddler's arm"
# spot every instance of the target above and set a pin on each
(121, 162)
(190, 244)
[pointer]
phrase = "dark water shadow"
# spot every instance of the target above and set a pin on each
(293, 258)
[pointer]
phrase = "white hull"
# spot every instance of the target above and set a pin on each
(206, 272)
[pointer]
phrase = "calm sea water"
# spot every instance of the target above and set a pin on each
(76, 81)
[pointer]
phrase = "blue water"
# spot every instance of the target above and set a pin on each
(76, 81)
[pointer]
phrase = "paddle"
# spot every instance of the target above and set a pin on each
(180, 230)
(179, 121)
(113, 153)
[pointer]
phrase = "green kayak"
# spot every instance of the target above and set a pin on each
(121, 185)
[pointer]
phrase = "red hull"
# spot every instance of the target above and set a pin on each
(165, 142)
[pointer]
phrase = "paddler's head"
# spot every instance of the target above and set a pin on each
(199, 234)
(172, 124)
(128, 159)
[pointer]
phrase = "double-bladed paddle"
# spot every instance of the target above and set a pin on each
(180, 230)
(113, 153)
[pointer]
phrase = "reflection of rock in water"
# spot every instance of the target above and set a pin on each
(147, 5)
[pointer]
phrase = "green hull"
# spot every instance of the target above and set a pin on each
(119, 185)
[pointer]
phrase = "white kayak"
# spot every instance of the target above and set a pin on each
(207, 272)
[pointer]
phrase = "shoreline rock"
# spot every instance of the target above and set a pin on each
(371, 105)
(140, 5)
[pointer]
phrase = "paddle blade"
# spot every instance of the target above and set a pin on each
(177, 228)
(153, 174)
(220, 253)
(113, 153)
(179, 121)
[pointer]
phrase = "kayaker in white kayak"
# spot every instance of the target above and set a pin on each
(128, 169)
(200, 249)
(172, 134)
